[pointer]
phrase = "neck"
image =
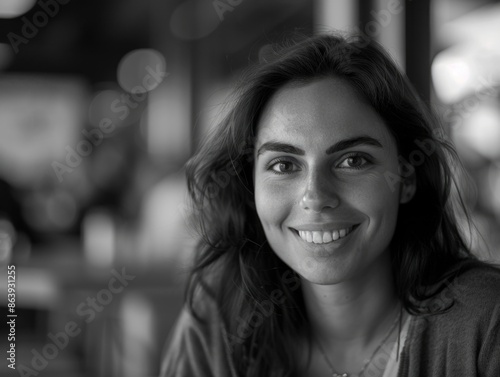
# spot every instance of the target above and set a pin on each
(354, 312)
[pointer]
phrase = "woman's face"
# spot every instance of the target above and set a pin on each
(323, 187)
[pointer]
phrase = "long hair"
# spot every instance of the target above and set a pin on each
(256, 293)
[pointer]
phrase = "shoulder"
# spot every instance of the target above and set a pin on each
(201, 318)
(461, 332)
(198, 346)
(474, 320)
(471, 299)
(479, 287)
(474, 285)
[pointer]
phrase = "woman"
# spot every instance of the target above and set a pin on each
(330, 244)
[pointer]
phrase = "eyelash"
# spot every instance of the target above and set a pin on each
(279, 160)
(367, 159)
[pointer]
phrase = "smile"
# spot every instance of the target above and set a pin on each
(322, 237)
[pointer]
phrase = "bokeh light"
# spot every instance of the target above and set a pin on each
(107, 104)
(141, 71)
(194, 19)
(15, 8)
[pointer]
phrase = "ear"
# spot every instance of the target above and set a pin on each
(408, 188)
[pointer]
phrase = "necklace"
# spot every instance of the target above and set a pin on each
(362, 371)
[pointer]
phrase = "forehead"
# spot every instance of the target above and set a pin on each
(320, 113)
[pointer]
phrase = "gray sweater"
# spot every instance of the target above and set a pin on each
(462, 342)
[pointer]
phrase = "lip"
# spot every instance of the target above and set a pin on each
(323, 227)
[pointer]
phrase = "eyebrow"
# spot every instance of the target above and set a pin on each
(276, 146)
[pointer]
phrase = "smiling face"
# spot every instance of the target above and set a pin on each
(321, 160)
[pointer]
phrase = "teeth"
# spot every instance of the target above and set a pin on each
(323, 237)
(317, 237)
(335, 235)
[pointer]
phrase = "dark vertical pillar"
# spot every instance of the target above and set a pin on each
(364, 16)
(417, 45)
(196, 70)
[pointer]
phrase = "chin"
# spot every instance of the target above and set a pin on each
(323, 276)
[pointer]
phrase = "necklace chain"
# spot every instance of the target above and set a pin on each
(362, 371)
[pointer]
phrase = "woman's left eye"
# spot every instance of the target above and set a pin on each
(355, 161)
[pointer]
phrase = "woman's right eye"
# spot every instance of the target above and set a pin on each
(282, 167)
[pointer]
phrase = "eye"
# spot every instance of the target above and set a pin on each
(354, 161)
(280, 166)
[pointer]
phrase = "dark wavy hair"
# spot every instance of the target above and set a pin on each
(236, 266)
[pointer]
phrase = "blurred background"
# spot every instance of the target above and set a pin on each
(102, 103)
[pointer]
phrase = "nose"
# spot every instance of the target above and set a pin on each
(319, 193)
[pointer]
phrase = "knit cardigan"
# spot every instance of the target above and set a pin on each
(463, 341)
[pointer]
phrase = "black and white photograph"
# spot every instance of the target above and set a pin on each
(250, 188)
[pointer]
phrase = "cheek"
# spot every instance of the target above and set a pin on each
(273, 203)
(374, 197)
